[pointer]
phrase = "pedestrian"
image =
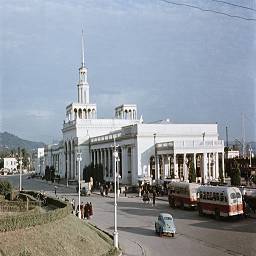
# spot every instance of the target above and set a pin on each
(73, 205)
(82, 210)
(87, 209)
(90, 209)
(154, 197)
(106, 190)
(55, 190)
(125, 190)
(120, 190)
(101, 190)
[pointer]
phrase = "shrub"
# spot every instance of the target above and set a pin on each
(34, 217)
(5, 187)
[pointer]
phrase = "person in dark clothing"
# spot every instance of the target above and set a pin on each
(90, 209)
(154, 197)
(125, 191)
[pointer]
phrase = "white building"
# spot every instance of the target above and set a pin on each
(10, 163)
(172, 145)
(38, 160)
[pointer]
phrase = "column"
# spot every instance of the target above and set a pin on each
(176, 174)
(185, 169)
(109, 162)
(223, 166)
(216, 165)
(205, 168)
(101, 156)
(167, 166)
(124, 164)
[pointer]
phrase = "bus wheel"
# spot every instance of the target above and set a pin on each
(217, 214)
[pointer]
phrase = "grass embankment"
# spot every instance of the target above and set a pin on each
(66, 237)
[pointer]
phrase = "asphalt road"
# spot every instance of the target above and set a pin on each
(195, 235)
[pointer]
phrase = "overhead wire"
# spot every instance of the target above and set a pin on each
(208, 10)
(235, 5)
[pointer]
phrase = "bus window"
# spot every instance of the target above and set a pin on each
(233, 195)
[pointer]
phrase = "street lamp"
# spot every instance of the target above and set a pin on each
(250, 151)
(79, 159)
(115, 154)
(156, 165)
(20, 162)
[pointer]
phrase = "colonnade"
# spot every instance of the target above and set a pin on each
(125, 163)
(177, 165)
(70, 160)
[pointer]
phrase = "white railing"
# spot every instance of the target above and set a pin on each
(189, 144)
(108, 137)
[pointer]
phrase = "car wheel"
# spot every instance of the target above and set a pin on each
(172, 234)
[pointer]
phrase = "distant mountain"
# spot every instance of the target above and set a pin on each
(10, 141)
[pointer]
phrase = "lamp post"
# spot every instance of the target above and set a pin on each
(79, 159)
(20, 162)
(250, 152)
(115, 154)
(156, 165)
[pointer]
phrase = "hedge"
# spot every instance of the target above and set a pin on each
(34, 217)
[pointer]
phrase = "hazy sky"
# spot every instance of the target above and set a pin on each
(173, 61)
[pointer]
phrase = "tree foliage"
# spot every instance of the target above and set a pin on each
(235, 176)
(5, 187)
(94, 171)
(192, 172)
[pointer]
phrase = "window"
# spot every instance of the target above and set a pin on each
(233, 195)
(217, 196)
(221, 197)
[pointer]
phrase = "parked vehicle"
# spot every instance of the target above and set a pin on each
(220, 201)
(164, 225)
(182, 194)
(85, 191)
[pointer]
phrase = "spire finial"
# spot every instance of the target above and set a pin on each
(82, 48)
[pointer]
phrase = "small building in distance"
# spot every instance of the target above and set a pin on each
(10, 163)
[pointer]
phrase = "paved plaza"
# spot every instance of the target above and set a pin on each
(195, 235)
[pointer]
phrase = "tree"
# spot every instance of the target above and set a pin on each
(235, 175)
(192, 173)
(94, 171)
(221, 177)
(5, 187)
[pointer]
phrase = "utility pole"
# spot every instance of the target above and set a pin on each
(20, 162)
(79, 159)
(227, 137)
(115, 154)
(243, 136)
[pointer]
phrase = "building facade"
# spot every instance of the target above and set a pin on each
(153, 152)
(10, 163)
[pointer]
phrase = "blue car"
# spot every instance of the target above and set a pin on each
(164, 225)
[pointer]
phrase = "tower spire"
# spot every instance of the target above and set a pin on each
(82, 48)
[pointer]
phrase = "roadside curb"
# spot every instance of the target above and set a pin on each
(105, 232)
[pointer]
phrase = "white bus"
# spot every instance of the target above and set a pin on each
(220, 201)
(182, 194)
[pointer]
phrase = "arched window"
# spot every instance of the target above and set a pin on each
(80, 113)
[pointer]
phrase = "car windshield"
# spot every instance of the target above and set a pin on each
(167, 218)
